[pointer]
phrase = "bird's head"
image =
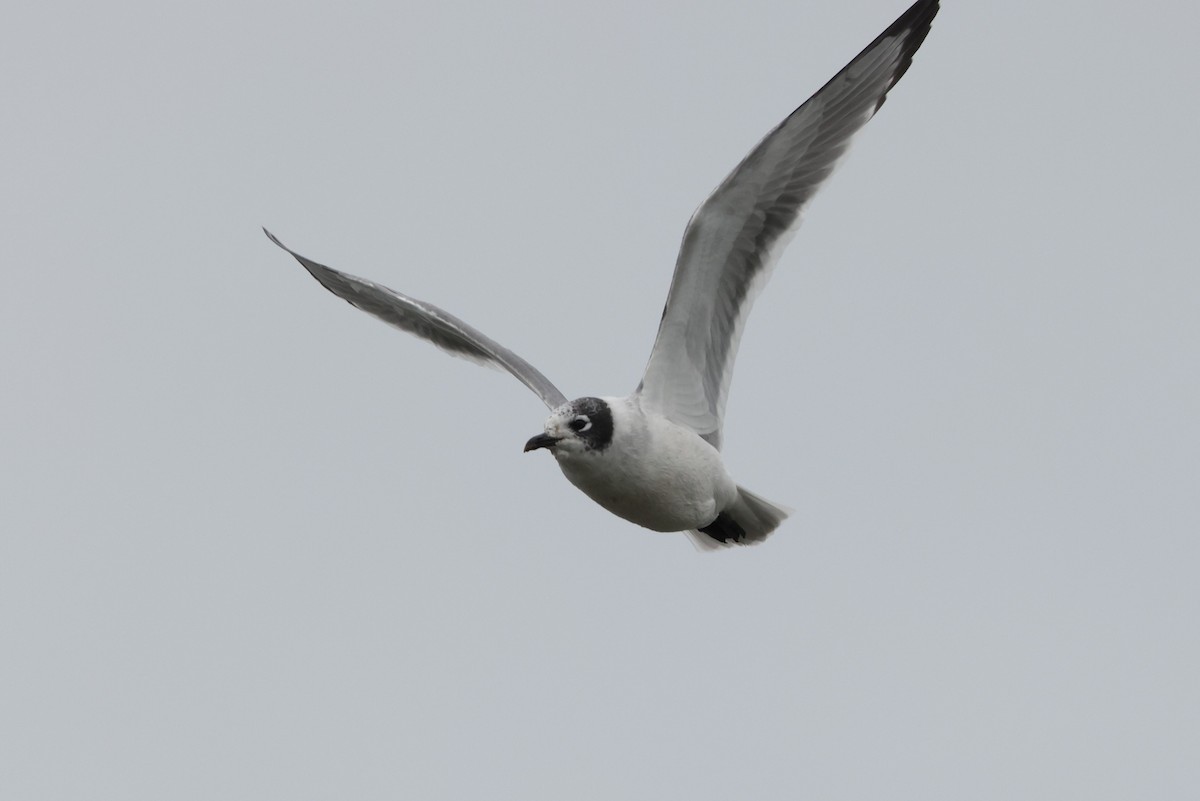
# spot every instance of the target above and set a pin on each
(578, 426)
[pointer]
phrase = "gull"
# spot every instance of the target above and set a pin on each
(653, 457)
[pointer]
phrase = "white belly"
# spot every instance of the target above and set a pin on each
(666, 478)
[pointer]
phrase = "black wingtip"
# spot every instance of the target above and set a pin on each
(274, 239)
(914, 25)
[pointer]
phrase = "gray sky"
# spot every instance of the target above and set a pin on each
(256, 545)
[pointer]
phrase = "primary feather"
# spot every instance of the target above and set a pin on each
(735, 237)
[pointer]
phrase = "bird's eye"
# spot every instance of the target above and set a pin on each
(580, 424)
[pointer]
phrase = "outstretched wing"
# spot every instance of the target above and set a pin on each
(428, 322)
(734, 238)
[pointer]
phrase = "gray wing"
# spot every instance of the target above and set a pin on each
(428, 322)
(734, 238)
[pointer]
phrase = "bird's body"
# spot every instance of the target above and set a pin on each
(653, 457)
(652, 472)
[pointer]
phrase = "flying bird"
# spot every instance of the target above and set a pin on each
(653, 457)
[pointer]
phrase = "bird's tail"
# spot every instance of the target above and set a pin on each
(748, 520)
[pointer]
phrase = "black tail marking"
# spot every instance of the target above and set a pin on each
(724, 529)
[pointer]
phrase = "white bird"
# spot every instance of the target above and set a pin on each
(653, 457)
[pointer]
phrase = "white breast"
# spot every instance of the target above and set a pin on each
(654, 473)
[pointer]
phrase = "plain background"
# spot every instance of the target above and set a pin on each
(256, 545)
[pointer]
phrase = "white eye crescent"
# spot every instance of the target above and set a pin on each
(580, 424)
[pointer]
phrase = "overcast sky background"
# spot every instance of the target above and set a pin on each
(256, 545)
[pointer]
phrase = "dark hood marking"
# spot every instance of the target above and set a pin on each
(600, 435)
